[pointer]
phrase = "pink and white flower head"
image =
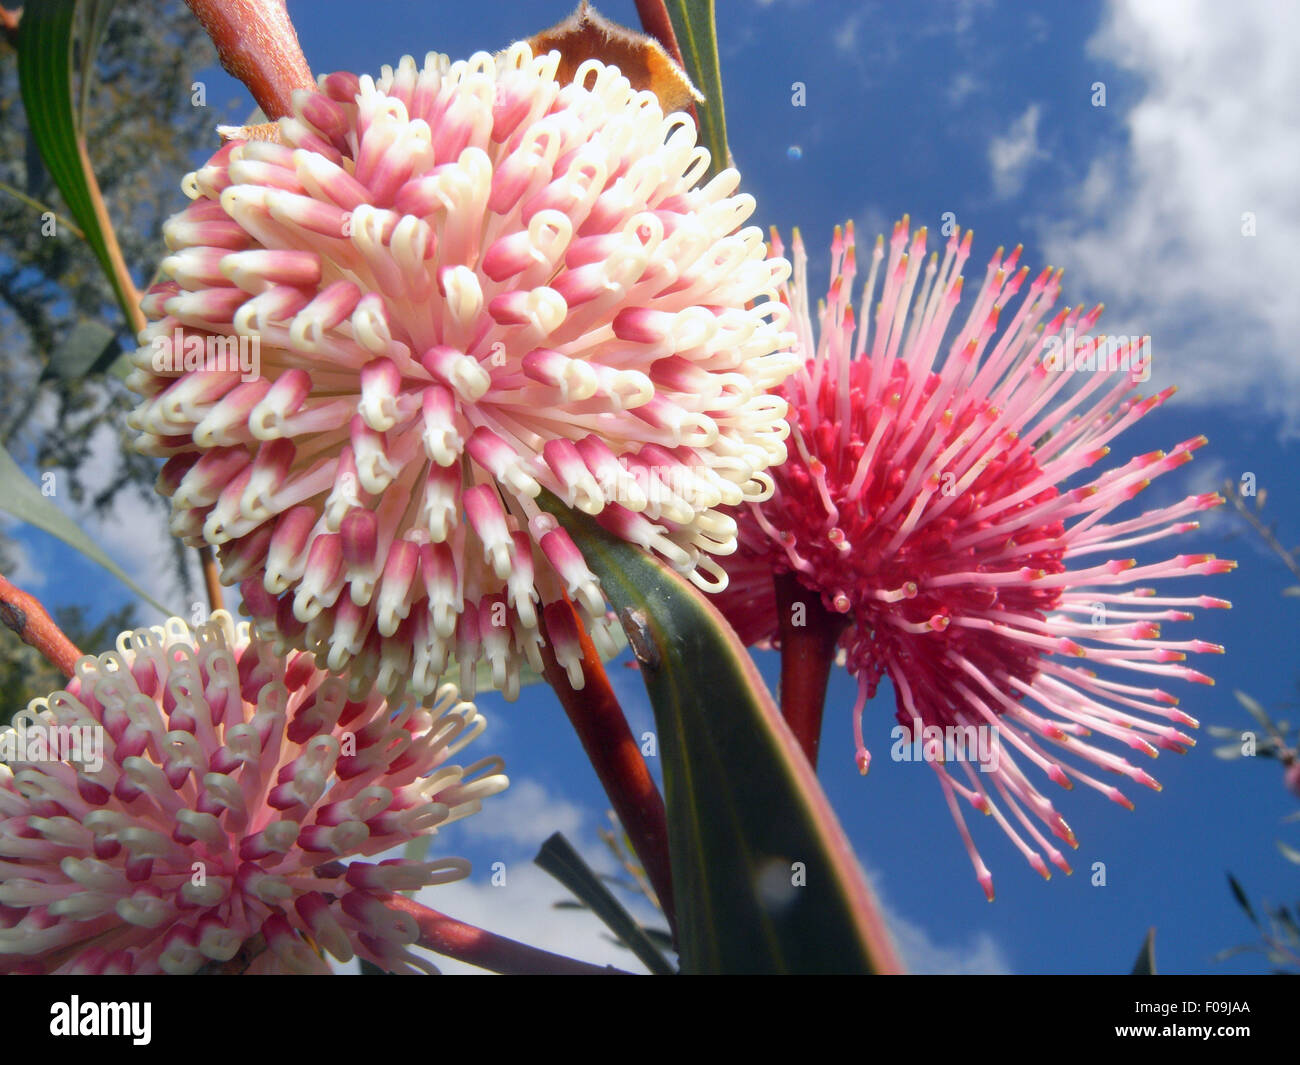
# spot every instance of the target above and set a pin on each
(230, 811)
(464, 283)
(926, 501)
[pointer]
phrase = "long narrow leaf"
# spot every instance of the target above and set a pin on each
(697, 36)
(764, 877)
(559, 858)
(97, 12)
(45, 76)
(1239, 893)
(1146, 959)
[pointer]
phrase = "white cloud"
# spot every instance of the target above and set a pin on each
(1156, 229)
(921, 954)
(524, 909)
(25, 572)
(1012, 154)
(846, 34)
(964, 17)
(520, 904)
(868, 223)
(963, 85)
(525, 814)
(980, 955)
(133, 532)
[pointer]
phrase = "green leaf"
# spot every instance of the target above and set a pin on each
(1289, 852)
(22, 499)
(764, 878)
(1291, 590)
(45, 75)
(1146, 959)
(697, 36)
(1255, 710)
(97, 12)
(89, 348)
(1240, 895)
(562, 861)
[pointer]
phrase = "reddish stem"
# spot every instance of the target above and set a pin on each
(602, 727)
(476, 946)
(655, 21)
(257, 44)
(808, 635)
(34, 626)
(211, 579)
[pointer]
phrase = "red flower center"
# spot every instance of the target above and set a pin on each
(874, 544)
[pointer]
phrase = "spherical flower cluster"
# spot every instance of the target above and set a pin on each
(440, 292)
(926, 501)
(192, 802)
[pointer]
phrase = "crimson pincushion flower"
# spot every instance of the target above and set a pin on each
(229, 809)
(926, 501)
(467, 282)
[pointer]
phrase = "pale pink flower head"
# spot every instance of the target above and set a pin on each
(193, 801)
(935, 496)
(462, 283)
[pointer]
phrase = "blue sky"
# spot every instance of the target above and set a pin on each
(984, 110)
